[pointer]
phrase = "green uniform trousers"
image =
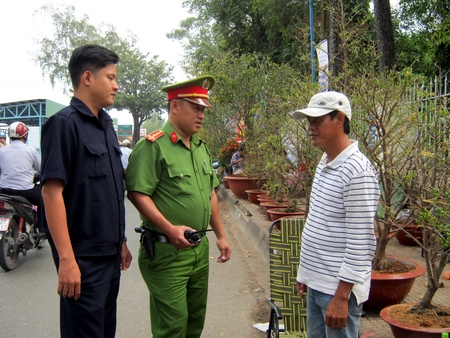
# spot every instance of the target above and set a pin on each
(178, 285)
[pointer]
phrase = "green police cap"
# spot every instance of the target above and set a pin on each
(195, 90)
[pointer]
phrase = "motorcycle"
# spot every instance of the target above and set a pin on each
(18, 230)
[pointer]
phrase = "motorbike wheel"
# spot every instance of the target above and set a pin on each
(9, 254)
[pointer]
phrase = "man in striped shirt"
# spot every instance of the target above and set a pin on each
(338, 241)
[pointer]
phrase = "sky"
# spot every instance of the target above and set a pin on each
(22, 79)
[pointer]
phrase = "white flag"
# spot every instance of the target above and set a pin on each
(322, 56)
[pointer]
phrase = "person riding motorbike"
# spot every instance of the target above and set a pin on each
(18, 165)
(2, 139)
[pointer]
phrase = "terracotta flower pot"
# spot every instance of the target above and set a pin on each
(239, 184)
(253, 195)
(388, 289)
(277, 213)
(401, 330)
(270, 205)
(225, 182)
(265, 198)
(406, 238)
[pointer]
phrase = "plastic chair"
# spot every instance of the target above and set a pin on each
(286, 305)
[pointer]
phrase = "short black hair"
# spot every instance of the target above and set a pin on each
(90, 57)
(346, 123)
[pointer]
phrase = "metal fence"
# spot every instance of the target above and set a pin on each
(429, 99)
(434, 103)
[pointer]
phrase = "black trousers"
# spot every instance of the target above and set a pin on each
(32, 195)
(94, 314)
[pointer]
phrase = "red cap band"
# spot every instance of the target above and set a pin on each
(191, 91)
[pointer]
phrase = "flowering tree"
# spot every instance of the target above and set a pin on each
(226, 153)
(429, 192)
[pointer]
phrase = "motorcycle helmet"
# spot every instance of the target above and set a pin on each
(17, 130)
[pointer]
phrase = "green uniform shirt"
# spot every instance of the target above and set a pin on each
(178, 179)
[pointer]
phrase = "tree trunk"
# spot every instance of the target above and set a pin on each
(337, 41)
(385, 34)
(379, 261)
(136, 129)
(425, 301)
(435, 265)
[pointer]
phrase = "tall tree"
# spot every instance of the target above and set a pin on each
(428, 23)
(272, 28)
(154, 123)
(385, 34)
(337, 48)
(140, 77)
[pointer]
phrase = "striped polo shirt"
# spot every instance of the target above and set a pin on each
(338, 242)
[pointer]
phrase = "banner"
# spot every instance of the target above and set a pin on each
(125, 130)
(322, 56)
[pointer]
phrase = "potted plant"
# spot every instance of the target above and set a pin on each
(288, 178)
(252, 177)
(284, 146)
(241, 100)
(383, 126)
(410, 234)
(429, 197)
(253, 194)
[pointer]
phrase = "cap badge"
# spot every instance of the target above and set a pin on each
(205, 84)
(321, 103)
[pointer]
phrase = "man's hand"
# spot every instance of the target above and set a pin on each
(69, 279)
(225, 250)
(337, 310)
(176, 237)
(125, 257)
(301, 289)
(337, 313)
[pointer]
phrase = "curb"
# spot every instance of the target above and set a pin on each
(251, 219)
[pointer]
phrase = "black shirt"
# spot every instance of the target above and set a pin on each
(83, 152)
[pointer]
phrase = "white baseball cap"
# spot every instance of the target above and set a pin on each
(324, 103)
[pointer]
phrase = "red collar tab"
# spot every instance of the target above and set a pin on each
(152, 137)
(174, 137)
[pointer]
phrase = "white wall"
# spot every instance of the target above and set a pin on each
(34, 138)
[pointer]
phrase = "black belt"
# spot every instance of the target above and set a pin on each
(164, 239)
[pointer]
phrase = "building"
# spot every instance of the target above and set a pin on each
(34, 113)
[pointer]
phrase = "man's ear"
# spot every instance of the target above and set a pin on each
(340, 118)
(175, 106)
(86, 78)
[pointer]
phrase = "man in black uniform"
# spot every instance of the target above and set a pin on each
(82, 190)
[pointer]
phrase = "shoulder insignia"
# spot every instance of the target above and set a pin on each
(152, 137)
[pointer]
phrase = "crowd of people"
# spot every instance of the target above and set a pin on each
(170, 180)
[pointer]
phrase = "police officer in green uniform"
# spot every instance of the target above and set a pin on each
(171, 182)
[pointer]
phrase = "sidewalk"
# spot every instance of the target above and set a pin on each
(254, 221)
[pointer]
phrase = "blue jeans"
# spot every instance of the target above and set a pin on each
(317, 308)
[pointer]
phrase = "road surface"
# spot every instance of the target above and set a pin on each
(29, 305)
